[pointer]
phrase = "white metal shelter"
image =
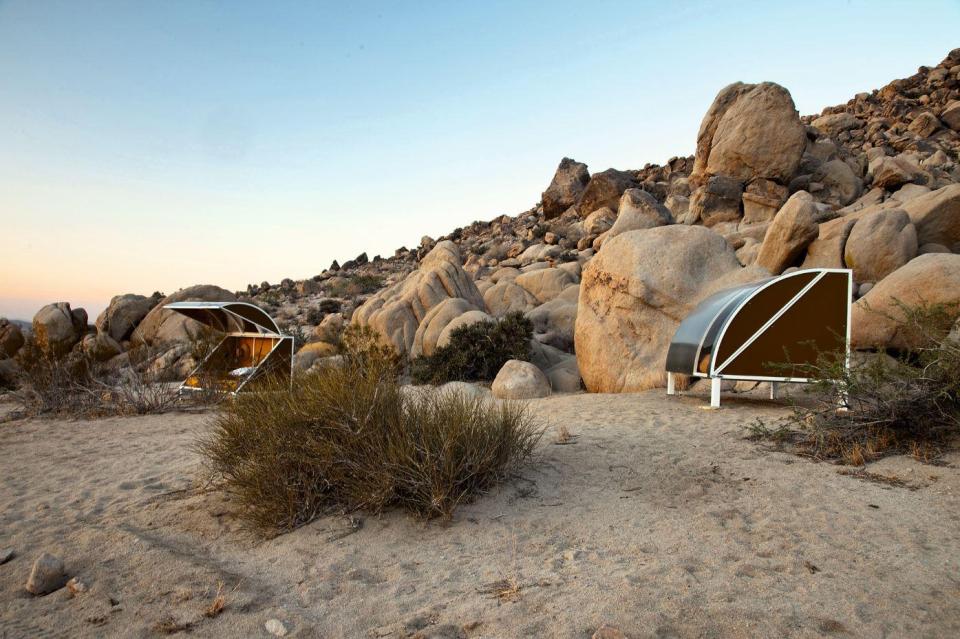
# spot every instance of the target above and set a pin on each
(766, 331)
(252, 348)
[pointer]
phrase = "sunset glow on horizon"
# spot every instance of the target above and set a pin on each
(148, 147)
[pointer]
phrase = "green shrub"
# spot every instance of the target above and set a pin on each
(349, 438)
(476, 351)
(907, 401)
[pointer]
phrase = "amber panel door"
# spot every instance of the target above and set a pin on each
(816, 324)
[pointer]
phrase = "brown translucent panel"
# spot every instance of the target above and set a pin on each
(816, 323)
(757, 311)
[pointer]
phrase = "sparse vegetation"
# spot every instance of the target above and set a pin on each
(903, 402)
(349, 438)
(75, 385)
(476, 351)
(354, 285)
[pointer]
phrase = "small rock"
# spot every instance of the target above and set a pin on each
(276, 628)
(46, 575)
(76, 586)
(608, 632)
(6, 555)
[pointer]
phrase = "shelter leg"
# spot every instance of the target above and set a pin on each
(671, 384)
(774, 389)
(715, 383)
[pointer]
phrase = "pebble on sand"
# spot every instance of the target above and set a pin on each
(276, 628)
(46, 575)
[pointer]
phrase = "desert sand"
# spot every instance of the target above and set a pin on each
(658, 518)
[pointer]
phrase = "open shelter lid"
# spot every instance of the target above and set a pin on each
(228, 317)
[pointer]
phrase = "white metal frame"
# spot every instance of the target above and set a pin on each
(263, 332)
(715, 373)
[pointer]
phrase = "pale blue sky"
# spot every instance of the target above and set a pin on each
(152, 145)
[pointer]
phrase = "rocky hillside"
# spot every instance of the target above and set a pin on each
(607, 263)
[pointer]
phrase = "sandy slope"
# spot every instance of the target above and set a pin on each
(659, 519)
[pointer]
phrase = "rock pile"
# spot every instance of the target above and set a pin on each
(607, 264)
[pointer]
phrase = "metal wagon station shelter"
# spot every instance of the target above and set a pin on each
(772, 330)
(252, 348)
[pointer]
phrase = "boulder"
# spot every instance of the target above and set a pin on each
(793, 228)
(163, 327)
(395, 312)
(545, 284)
(9, 372)
(308, 355)
(466, 319)
(679, 206)
(841, 186)
(123, 314)
(11, 338)
(554, 322)
(827, 250)
(599, 221)
(761, 201)
(564, 377)
(520, 380)
(890, 173)
(880, 243)
(936, 215)
(925, 124)
(836, 123)
(330, 328)
(932, 278)
(750, 131)
(57, 327)
(604, 190)
(568, 183)
(634, 294)
(932, 248)
(100, 346)
(951, 115)
(719, 200)
(639, 210)
(46, 575)
(507, 297)
(436, 319)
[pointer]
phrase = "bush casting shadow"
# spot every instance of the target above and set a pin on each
(349, 437)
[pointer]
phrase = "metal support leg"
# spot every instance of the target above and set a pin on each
(671, 384)
(774, 389)
(715, 383)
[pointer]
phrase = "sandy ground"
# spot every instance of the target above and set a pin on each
(659, 519)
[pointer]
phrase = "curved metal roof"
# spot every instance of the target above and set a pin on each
(228, 317)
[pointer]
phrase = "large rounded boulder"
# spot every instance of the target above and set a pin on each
(520, 380)
(123, 315)
(397, 311)
(11, 338)
(568, 184)
(164, 327)
(880, 243)
(875, 321)
(635, 292)
(750, 131)
(57, 327)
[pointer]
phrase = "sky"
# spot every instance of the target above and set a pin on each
(150, 146)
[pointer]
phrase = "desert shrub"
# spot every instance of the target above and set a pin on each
(315, 315)
(906, 401)
(355, 285)
(476, 351)
(299, 335)
(77, 386)
(347, 437)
